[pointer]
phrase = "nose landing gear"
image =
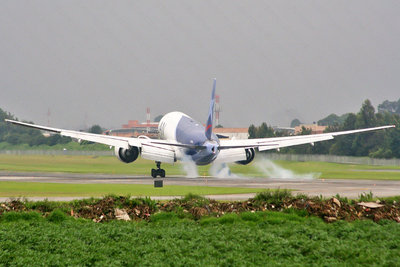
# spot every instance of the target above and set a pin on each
(158, 172)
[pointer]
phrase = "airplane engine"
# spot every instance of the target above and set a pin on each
(127, 155)
(250, 153)
(238, 155)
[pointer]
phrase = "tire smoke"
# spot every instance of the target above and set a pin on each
(190, 167)
(221, 170)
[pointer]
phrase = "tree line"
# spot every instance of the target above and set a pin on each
(379, 144)
(17, 135)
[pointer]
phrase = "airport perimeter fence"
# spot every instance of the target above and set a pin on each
(333, 159)
(271, 156)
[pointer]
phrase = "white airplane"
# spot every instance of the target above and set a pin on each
(182, 137)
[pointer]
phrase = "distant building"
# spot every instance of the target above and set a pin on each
(140, 125)
(134, 129)
(284, 130)
(238, 133)
(315, 128)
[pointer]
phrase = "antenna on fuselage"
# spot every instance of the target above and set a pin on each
(209, 124)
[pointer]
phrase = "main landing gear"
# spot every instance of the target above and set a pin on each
(158, 172)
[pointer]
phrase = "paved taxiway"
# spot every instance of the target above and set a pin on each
(313, 187)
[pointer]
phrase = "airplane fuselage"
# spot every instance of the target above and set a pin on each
(179, 127)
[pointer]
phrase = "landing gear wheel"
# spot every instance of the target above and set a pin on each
(153, 173)
(158, 172)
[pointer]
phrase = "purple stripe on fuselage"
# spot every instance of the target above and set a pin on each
(189, 131)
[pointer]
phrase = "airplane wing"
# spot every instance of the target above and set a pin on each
(116, 141)
(279, 142)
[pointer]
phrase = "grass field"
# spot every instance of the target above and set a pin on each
(110, 165)
(247, 239)
(27, 189)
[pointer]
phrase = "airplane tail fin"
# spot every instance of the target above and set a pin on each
(209, 124)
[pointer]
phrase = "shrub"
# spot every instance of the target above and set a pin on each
(197, 200)
(57, 216)
(365, 197)
(228, 218)
(208, 221)
(250, 216)
(164, 216)
(43, 206)
(13, 216)
(273, 196)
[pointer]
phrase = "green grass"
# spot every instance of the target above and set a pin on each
(33, 189)
(110, 165)
(79, 164)
(248, 239)
(74, 146)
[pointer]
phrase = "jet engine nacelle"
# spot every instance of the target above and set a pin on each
(127, 155)
(250, 153)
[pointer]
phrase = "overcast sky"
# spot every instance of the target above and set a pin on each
(104, 62)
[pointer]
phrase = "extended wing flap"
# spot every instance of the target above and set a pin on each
(159, 153)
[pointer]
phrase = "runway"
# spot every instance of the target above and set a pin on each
(312, 187)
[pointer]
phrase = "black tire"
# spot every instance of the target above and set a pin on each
(153, 173)
(162, 173)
